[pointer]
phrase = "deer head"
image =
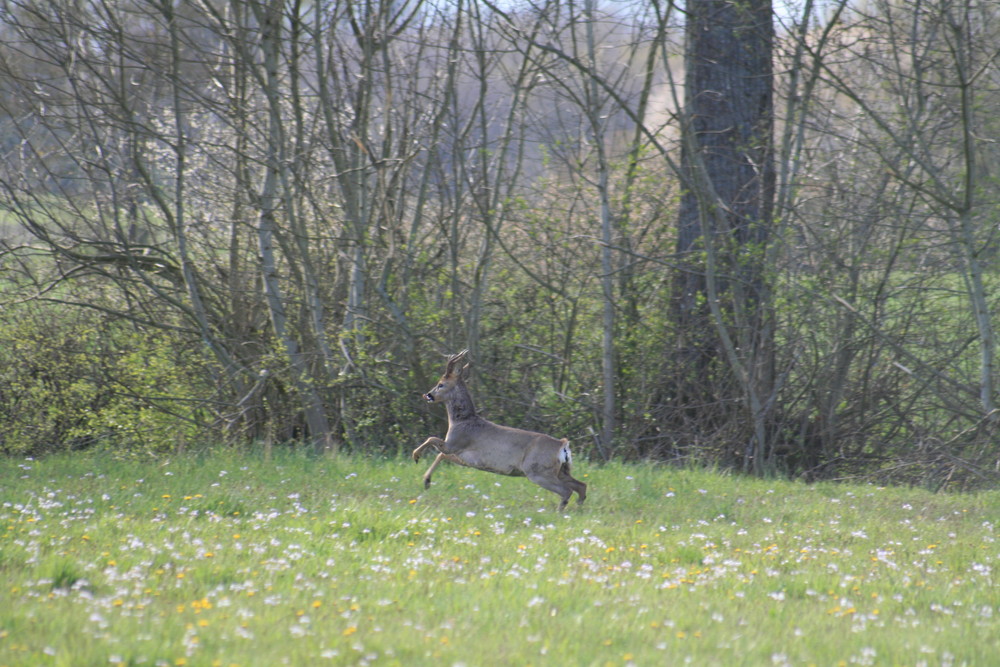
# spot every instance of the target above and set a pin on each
(449, 380)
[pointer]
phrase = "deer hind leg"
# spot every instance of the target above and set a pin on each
(573, 483)
(553, 484)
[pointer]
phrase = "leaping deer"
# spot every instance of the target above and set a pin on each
(478, 443)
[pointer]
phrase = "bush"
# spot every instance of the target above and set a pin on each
(72, 379)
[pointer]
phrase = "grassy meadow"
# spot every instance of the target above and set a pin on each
(223, 559)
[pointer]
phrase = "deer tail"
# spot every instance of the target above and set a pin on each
(565, 456)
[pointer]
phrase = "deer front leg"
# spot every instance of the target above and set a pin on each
(440, 457)
(429, 442)
(436, 443)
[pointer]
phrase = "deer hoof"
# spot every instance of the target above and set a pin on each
(427, 482)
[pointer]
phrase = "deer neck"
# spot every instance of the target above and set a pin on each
(460, 406)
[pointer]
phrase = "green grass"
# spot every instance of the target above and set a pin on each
(238, 560)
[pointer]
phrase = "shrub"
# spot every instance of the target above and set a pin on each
(72, 379)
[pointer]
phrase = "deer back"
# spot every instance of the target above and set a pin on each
(504, 449)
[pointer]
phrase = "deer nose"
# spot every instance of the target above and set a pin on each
(429, 397)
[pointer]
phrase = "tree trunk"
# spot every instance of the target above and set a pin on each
(595, 112)
(726, 207)
(268, 202)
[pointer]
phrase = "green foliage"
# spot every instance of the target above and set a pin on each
(71, 379)
(239, 559)
(471, 216)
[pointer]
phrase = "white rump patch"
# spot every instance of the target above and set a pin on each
(565, 456)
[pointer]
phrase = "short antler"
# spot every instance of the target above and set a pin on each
(454, 359)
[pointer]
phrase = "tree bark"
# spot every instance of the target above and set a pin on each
(728, 95)
(268, 203)
(727, 205)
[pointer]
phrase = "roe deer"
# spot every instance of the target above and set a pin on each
(475, 442)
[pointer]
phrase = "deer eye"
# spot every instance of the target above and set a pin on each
(441, 385)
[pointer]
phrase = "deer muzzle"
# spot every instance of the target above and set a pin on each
(429, 397)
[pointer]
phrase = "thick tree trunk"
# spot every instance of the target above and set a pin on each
(729, 101)
(726, 207)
